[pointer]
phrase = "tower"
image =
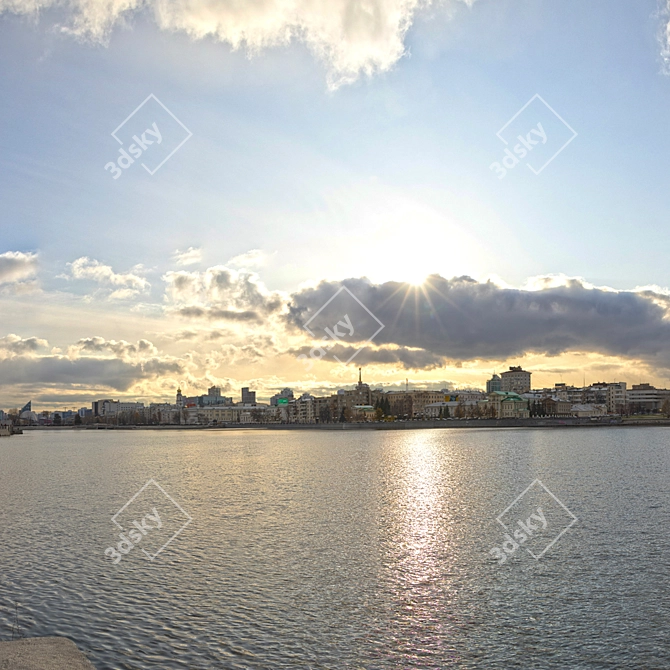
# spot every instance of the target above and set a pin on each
(180, 399)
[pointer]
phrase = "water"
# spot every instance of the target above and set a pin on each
(341, 550)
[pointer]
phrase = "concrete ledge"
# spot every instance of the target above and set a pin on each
(42, 653)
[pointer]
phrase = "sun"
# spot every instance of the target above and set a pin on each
(418, 278)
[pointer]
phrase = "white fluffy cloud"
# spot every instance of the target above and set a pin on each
(128, 283)
(220, 293)
(251, 259)
(350, 36)
(13, 345)
(191, 256)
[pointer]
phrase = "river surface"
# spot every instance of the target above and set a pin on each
(317, 549)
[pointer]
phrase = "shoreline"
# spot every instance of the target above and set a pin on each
(553, 422)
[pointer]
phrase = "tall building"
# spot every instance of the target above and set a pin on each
(616, 398)
(248, 397)
(494, 384)
(515, 380)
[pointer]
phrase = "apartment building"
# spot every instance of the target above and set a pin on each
(616, 398)
(515, 380)
(115, 407)
(248, 397)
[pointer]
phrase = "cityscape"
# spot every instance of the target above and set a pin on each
(334, 335)
(508, 395)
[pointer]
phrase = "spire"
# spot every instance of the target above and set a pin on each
(359, 376)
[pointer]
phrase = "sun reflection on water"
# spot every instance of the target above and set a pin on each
(418, 544)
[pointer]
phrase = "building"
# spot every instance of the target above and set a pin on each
(361, 394)
(616, 398)
(213, 397)
(645, 398)
(574, 394)
(508, 405)
(412, 404)
(551, 406)
(466, 396)
(438, 410)
(364, 413)
(494, 384)
(456, 409)
(248, 397)
(588, 410)
(340, 405)
(108, 407)
(303, 409)
(166, 413)
(515, 380)
(285, 394)
(97, 405)
(213, 414)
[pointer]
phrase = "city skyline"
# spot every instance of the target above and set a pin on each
(515, 380)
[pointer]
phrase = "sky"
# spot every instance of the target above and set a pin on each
(196, 194)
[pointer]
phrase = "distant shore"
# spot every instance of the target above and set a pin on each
(549, 422)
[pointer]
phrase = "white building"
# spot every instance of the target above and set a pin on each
(646, 398)
(114, 407)
(616, 398)
(588, 410)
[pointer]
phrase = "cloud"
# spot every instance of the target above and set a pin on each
(218, 314)
(92, 363)
(16, 266)
(98, 373)
(120, 349)
(664, 34)
(220, 293)
(87, 268)
(191, 256)
(408, 359)
(350, 37)
(123, 294)
(461, 319)
(250, 259)
(15, 345)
